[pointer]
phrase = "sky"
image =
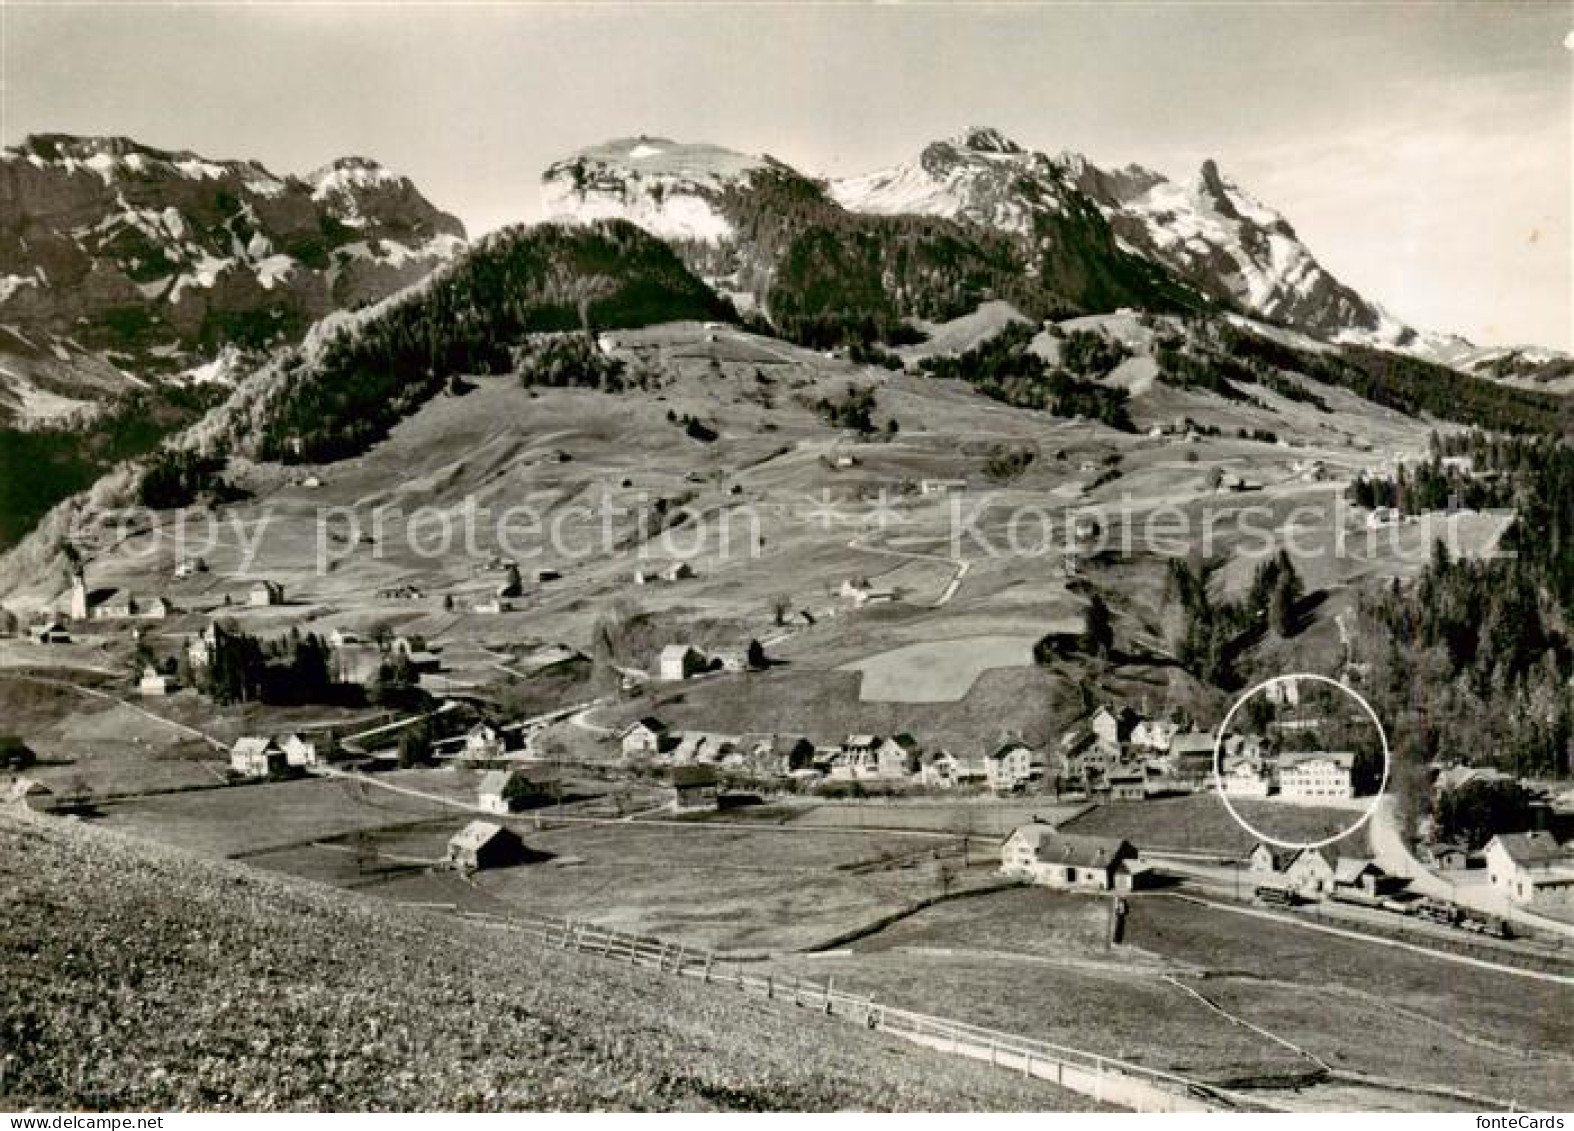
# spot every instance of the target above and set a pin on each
(1423, 151)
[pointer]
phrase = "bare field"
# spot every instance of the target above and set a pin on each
(978, 818)
(941, 671)
(1034, 961)
(1108, 1009)
(723, 888)
(244, 819)
(1200, 823)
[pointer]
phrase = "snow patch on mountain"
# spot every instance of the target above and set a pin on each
(979, 176)
(668, 188)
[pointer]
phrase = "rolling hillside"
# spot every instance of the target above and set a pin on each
(138, 977)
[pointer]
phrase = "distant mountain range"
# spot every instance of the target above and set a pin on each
(1052, 232)
(119, 261)
(123, 265)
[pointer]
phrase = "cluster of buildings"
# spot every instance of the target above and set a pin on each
(1317, 872)
(677, 662)
(268, 756)
(112, 604)
(1128, 757)
(897, 759)
(115, 604)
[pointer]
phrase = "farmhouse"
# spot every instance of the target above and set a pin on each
(858, 757)
(944, 770)
(646, 737)
(155, 682)
(416, 654)
(1153, 734)
(50, 632)
(202, 648)
(1316, 777)
(680, 661)
(509, 791)
(342, 637)
(486, 743)
(297, 751)
(264, 592)
(492, 606)
(1041, 855)
(1009, 766)
(481, 845)
(897, 757)
(1532, 868)
(1111, 728)
(694, 787)
(1190, 756)
(1267, 860)
(1244, 777)
(783, 754)
(1311, 871)
(1129, 785)
(256, 757)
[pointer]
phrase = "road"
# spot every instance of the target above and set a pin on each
(960, 565)
(1395, 858)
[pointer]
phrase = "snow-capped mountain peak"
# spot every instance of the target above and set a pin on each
(668, 188)
(986, 139)
(160, 256)
(979, 175)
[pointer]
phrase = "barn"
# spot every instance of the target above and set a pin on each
(481, 845)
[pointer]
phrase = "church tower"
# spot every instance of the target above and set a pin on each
(78, 594)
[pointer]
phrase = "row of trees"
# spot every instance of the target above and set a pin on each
(1472, 659)
(1212, 630)
(290, 669)
(1006, 369)
(1431, 486)
(522, 281)
(39, 466)
(1401, 382)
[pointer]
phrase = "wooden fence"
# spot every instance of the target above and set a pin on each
(1105, 1079)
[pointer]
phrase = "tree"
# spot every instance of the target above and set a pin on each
(415, 746)
(395, 684)
(1098, 628)
(1285, 597)
(1479, 810)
